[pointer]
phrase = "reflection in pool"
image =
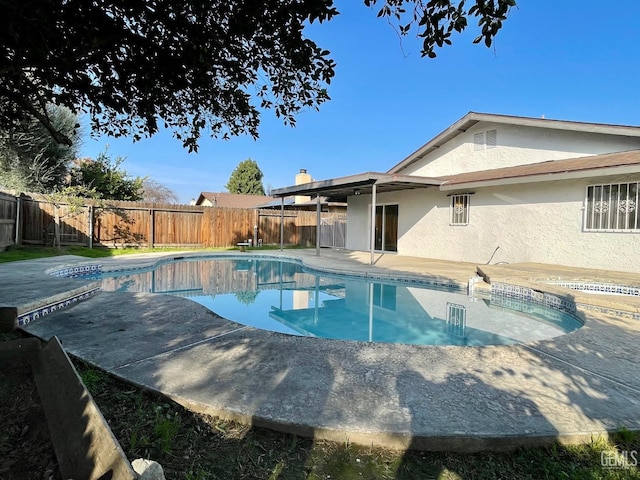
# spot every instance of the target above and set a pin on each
(284, 297)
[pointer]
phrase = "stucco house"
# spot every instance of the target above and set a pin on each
(498, 188)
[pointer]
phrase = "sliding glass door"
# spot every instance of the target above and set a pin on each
(386, 234)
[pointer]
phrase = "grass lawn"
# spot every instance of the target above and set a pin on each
(191, 446)
(16, 253)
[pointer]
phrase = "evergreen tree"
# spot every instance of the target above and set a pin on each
(30, 158)
(246, 179)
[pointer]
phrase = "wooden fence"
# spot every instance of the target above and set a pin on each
(121, 224)
(8, 216)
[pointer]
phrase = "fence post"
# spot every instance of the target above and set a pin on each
(151, 222)
(255, 227)
(281, 223)
(90, 225)
(18, 239)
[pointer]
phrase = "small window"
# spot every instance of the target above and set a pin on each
(612, 208)
(492, 138)
(460, 209)
(478, 141)
(484, 140)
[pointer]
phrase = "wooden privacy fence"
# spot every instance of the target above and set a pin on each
(8, 217)
(121, 224)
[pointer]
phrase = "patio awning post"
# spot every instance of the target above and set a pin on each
(373, 222)
(318, 220)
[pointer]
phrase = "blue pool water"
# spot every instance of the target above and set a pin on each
(284, 297)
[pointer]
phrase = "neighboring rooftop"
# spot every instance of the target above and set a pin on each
(225, 199)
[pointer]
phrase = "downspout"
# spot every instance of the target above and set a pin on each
(373, 221)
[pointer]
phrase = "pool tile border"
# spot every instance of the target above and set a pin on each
(529, 294)
(609, 311)
(28, 317)
(501, 291)
(76, 271)
(599, 287)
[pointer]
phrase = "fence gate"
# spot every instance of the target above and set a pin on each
(333, 231)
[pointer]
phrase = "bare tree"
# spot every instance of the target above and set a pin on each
(156, 192)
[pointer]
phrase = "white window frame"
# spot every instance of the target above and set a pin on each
(611, 207)
(457, 217)
(491, 137)
(485, 140)
(478, 142)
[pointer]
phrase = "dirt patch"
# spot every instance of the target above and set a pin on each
(26, 451)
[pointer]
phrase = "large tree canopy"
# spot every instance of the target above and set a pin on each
(192, 66)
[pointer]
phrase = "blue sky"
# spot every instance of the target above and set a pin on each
(564, 59)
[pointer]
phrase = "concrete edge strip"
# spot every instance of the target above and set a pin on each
(177, 349)
(582, 369)
(460, 443)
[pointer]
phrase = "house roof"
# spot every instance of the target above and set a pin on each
(606, 164)
(472, 118)
(338, 189)
(223, 199)
(290, 203)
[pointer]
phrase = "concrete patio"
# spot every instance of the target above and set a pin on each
(568, 388)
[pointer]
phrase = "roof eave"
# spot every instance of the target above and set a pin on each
(543, 177)
(436, 142)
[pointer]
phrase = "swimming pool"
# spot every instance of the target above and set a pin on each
(283, 296)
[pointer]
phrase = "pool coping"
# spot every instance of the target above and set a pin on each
(554, 357)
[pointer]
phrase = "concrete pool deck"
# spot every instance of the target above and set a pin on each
(568, 388)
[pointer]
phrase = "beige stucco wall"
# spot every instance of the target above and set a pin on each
(536, 222)
(516, 145)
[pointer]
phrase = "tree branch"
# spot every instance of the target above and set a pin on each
(57, 135)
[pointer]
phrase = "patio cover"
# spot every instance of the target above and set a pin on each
(338, 189)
